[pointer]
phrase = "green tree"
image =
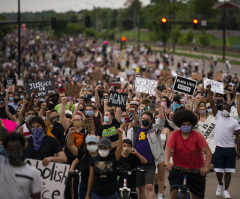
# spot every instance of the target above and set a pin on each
(204, 7)
(204, 39)
(4, 29)
(61, 28)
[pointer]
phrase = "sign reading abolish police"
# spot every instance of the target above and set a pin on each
(184, 85)
(118, 100)
(44, 87)
(53, 177)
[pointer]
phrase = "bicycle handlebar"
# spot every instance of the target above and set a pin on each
(130, 172)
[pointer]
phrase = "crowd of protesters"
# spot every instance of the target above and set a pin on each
(152, 133)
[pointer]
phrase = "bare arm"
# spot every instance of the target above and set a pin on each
(21, 119)
(11, 117)
(73, 165)
(208, 154)
(71, 147)
(63, 118)
(238, 104)
(118, 114)
(238, 143)
(32, 99)
(120, 144)
(168, 152)
(210, 99)
(105, 105)
(60, 158)
(90, 182)
(142, 159)
(48, 98)
(49, 124)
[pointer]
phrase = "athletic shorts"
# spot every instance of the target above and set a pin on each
(146, 177)
(225, 160)
(195, 182)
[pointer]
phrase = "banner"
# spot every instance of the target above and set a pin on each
(197, 76)
(44, 87)
(9, 82)
(96, 76)
(114, 81)
(145, 85)
(215, 86)
(217, 76)
(89, 124)
(72, 90)
(184, 85)
(54, 178)
(165, 76)
(117, 99)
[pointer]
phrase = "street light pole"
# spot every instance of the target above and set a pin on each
(224, 29)
(112, 18)
(19, 40)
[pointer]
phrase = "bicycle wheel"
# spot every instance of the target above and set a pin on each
(185, 196)
(125, 195)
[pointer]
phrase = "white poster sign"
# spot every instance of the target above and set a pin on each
(54, 178)
(215, 85)
(145, 85)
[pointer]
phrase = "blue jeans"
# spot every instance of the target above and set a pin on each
(83, 190)
(112, 196)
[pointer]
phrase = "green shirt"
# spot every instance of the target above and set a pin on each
(57, 108)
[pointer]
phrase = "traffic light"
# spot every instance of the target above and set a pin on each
(195, 24)
(123, 43)
(164, 23)
(87, 21)
(54, 23)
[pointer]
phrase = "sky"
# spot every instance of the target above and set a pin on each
(59, 5)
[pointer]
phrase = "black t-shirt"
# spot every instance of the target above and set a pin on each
(128, 163)
(3, 114)
(51, 106)
(105, 174)
(49, 147)
(84, 160)
(109, 131)
(59, 134)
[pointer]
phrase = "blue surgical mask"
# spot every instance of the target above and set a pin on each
(42, 100)
(26, 119)
(123, 120)
(106, 119)
(175, 106)
(10, 98)
(186, 129)
(21, 97)
(89, 112)
(209, 110)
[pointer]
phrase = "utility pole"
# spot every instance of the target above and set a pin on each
(19, 40)
(134, 23)
(224, 29)
(138, 31)
(108, 21)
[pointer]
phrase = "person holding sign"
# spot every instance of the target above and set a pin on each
(90, 114)
(225, 152)
(18, 179)
(83, 157)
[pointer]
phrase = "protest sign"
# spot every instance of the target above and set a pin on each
(113, 70)
(217, 76)
(114, 81)
(73, 90)
(138, 75)
(145, 85)
(147, 75)
(9, 82)
(44, 87)
(122, 75)
(11, 89)
(89, 124)
(69, 64)
(197, 76)
(117, 99)
(184, 85)
(215, 86)
(96, 76)
(53, 177)
(20, 82)
(165, 76)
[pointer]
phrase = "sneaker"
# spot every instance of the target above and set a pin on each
(226, 194)
(219, 190)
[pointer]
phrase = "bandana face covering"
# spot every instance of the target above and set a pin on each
(37, 136)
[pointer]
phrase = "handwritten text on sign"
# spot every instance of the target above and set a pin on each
(145, 85)
(117, 99)
(215, 86)
(54, 178)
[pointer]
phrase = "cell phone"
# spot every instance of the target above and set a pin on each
(127, 119)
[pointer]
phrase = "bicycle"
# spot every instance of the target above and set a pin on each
(184, 191)
(125, 191)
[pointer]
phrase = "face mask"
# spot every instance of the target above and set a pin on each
(92, 148)
(106, 119)
(175, 106)
(89, 112)
(202, 112)
(225, 113)
(26, 119)
(156, 121)
(219, 107)
(21, 97)
(55, 101)
(123, 120)
(186, 129)
(89, 96)
(145, 122)
(77, 124)
(42, 100)
(15, 158)
(152, 103)
(30, 116)
(82, 109)
(94, 108)
(209, 110)
(103, 153)
(15, 101)
(10, 99)
(37, 136)
(55, 119)
(2, 101)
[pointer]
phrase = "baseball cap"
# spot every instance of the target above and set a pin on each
(92, 138)
(104, 142)
(134, 103)
(68, 112)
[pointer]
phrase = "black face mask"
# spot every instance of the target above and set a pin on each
(16, 101)
(145, 122)
(94, 108)
(55, 101)
(219, 107)
(82, 109)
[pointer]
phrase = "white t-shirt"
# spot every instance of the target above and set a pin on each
(18, 182)
(225, 127)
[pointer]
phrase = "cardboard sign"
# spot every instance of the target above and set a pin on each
(11, 89)
(117, 99)
(9, 82)
(113, 71)
(215, 86)
(147, 75)
(197, 76)
(53, 177)
(165, 76)
(217, 76)
(20, 82)
(114, 81)
(145, 85)
(89, 124)
(69, 64)
(184, 85)
(44, 87)
(72, 90)
(96, 76)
